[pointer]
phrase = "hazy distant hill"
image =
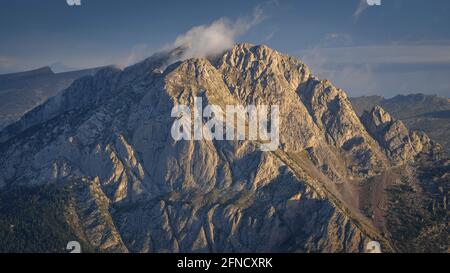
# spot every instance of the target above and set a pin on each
(21, 92)
(427, 113)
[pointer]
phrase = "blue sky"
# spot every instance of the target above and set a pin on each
(402, 46)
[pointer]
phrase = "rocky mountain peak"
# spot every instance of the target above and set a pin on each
(399, 142)
(380, 117)
(133, 187)
(261, 62)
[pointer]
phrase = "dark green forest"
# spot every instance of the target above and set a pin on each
(32, 220)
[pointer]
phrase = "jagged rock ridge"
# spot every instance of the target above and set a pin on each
(133, 188)
(427, 113)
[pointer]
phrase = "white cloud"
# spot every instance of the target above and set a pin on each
(204, 40)
(198, 42)
(362, 6)
(136, 54)
(209, 40)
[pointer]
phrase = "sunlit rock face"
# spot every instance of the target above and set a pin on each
(107, 138)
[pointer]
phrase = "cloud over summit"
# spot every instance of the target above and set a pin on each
(209, 40)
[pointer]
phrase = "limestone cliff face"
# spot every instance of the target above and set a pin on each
(134, 188)
(397, 141)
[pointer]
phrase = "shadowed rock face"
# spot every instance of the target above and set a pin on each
(106, 140)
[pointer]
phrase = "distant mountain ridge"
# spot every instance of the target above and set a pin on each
(22, 91)
(46, 70)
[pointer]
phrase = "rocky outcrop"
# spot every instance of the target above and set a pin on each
(427, 113)
(399, 143)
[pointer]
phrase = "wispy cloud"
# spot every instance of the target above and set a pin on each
(336, 39)
(383, 69)
(382, 54)
(270, 34)
(362, 6)
(200, 41)
(213, 39)
(137, 53)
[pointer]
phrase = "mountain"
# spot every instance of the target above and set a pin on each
(97, 164)
(427, 113)
(21, 92)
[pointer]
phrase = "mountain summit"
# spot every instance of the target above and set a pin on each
(336, 182)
